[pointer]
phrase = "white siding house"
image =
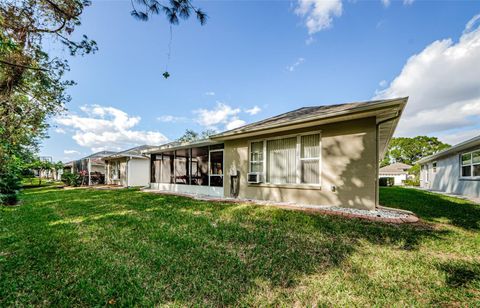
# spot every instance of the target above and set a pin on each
(397, 171)
(128, 168)
(455, 170)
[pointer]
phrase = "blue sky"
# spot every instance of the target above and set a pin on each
(255, 59)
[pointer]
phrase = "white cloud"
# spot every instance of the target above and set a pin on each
(254, 110)
(108, 128)
(456, 137)
(383, 83)
(408, 2)
(235, 123)
(171, 119)
(70, 152)
(292, 67)
(222, 114)
(318, 14)
(210, 93)
(471, 25)
(443, 84)
(385, 3)
(59, 130)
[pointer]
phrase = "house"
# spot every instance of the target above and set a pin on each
(91, 168)
(128, 168)
(323, 155)
(397, 171)
(455, 170)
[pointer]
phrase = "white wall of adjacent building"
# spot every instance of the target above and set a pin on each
(138, 172)
(398, 178)
(446, 177)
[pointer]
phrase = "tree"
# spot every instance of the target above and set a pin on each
(191, 135)
(410, 150)
(32, 84)
(175, 9)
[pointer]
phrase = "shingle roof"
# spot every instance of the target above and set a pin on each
(304, 114)
(133, 152)
(453, 150)
(398, 168)
(99, 154)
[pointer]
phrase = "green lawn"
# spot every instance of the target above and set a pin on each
(93, 248)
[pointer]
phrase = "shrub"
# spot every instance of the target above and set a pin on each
(386, 181)
(412, 182)
(9, 186)
(71, 179)
(9, 199)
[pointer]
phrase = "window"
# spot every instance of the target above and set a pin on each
(470, 164)
(256, 156)
(434, 167)
(281, 161)
(287, 160)
(310, 159)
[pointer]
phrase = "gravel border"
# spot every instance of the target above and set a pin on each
(380, 214)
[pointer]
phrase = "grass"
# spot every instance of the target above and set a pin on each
(36, 182)
(94, 248)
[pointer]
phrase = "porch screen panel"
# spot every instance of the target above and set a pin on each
(199, 162)
(156, 168)
(166, 174)
(310, 159)
(182, 174)
(281, 161)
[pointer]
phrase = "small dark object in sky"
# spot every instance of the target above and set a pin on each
(166, 75)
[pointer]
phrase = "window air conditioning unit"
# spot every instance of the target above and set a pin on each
(255, 177)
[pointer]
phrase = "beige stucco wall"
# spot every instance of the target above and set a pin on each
(348, 163)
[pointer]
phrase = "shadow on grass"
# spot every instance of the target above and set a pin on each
(461, 274)
(433, 207)
(85, 247)
(150, 249)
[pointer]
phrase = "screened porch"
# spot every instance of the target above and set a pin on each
(195, 169)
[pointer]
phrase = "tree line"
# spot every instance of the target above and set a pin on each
(32, 84)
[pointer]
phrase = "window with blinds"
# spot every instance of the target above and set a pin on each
(281, 161)
(289, 160)
(310, 159)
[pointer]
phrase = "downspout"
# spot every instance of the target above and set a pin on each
(377, 165)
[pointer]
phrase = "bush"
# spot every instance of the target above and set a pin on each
(386, 181)
(9, 186)
(71, 179)
(412, 182)
(9, 199)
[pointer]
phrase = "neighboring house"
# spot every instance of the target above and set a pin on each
(128, 168)
(397, 171)
(325, 155)
(455, 170)
(91, 167)
(68, 167)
